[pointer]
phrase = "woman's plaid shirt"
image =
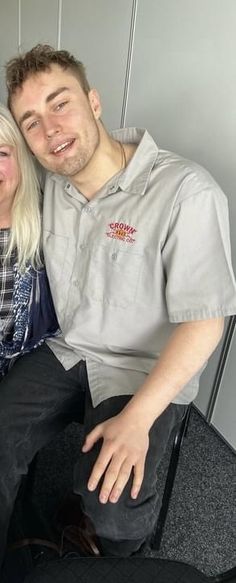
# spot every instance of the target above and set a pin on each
(7, 282)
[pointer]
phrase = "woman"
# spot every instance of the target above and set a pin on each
(26, 310)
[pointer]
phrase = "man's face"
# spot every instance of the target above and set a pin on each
(58, 120)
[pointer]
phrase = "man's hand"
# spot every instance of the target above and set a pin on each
(124, 448)
(125, 437)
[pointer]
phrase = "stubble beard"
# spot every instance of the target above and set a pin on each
(72, 166)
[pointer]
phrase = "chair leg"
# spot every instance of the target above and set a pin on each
(173, 464)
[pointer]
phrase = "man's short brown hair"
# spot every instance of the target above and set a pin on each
(38, 59)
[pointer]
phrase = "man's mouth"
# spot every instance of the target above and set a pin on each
(62, 147)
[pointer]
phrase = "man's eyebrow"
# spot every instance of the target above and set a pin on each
(49, 98)
(52, 96)
(25, 116)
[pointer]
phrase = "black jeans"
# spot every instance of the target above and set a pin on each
(38, 398)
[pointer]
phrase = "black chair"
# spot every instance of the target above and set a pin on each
(179, 434)
(133, 570)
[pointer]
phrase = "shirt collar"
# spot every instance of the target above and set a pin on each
(136, 176)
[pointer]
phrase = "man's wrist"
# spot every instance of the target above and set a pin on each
(139, 414)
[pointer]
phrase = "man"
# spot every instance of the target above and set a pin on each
(137, 252)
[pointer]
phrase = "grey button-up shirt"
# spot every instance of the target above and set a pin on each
(149, 251)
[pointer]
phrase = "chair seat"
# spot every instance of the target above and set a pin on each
(107, 570)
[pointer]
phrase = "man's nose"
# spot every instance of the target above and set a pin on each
(51, 126)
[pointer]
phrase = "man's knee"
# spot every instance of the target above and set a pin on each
(120, 548)
(127, 519)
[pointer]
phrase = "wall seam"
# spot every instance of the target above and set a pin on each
(19, 26)
(59, 24)
(129, 63)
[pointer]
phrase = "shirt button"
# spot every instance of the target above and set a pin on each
(112, 188)
(82, 246)
(76, 283)
(114, 256)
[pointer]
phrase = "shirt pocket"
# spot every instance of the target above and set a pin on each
(114, 276)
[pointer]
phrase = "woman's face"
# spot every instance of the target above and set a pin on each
(9, 175)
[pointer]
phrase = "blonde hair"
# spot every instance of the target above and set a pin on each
(25, 235)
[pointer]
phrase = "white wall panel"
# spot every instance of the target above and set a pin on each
(39, 23)
(98, 34)
(183, 83)
(8, 38)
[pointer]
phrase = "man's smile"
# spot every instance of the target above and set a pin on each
(61, 148)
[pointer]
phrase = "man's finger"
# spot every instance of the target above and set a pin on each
(122, 479)
(110, 478)
(99, 467)
(92, 437)
(138, 478)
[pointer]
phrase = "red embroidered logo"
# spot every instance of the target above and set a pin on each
(122, 232)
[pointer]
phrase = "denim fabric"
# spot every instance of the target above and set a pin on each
(124, 526)
(38, 398)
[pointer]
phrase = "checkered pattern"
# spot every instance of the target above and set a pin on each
(7, 282)
(108, 570)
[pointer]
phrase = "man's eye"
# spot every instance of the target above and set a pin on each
(61, 105)
(32, 125)
(3, 154)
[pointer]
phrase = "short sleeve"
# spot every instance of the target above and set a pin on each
(200, 282)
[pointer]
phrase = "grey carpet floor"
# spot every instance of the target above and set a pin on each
(200, 527)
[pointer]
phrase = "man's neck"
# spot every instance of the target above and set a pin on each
(109, 158)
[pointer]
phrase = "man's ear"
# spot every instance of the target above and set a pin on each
(95, 103)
